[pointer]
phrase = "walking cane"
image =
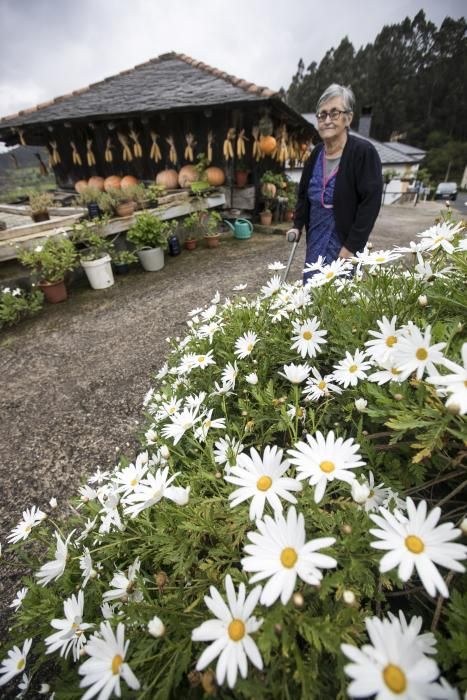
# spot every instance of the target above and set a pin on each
(292, 237)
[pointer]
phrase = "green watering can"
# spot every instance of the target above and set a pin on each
(242, 228)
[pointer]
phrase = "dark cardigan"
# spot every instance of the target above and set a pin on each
(357, 193)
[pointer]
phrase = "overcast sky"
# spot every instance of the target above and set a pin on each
(50, 47)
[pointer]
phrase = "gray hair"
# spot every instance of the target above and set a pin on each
(336, 90)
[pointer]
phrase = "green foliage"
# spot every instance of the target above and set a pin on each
(91, 235)
(148, 231)
(51, 260)
(123, 257)
(40, 201)
(16, 304)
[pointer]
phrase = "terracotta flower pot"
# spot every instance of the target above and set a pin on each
(40, 216)
(241, 178)
(54, 292)
(190, 244)
(212, 241)
(125, 209)
(266, 218)
(289, 215)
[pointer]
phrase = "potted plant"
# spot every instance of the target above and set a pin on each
(91, 198)
(191, 227)
(270, 182)
(266, 215)
(291, 195)
(153, 192)
(122, 259)
(210, 224)
(122, 201)
(40, 203)
(241, 173)
(149, 236)
(95, 254)
(138, 194)
(49, 263)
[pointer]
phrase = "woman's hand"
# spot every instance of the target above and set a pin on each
(345, 253)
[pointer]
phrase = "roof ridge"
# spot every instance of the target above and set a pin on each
(245, 85)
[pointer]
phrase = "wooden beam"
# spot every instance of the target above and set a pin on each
(39, 227)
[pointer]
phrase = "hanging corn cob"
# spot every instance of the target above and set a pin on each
(54, 159)
(173, 156)
(127, 154)
(21, 137)
(190, 142)
(241, 144)
(228, 148)
(155, 153)
(89, 153)
(282, 150)
(257, 152)
(209, 148)
(293, 149)
(108, 155)
(137, 150)
(75, 156)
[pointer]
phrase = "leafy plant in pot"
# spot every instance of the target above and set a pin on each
(241, 173)
(95, 255)
(40, 203)
(149, 235)
(122, 259)
(49, 263)
(210, 223)
(94, 200)
(191, 226)
(122, 201)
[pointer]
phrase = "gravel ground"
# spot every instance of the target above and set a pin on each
(74, 377)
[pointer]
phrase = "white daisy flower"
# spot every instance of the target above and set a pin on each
(195, 312)
(276, 265)
(308, 337)
(31, 518)
(271, 287)
(328, 273)
(368, 495)
(388, 373)
(99, 477)
(210, 312)
(230, 633)
(261, 479)
(377, 257)
(23, 685)
(106, 664)
(70, 635)
(349, 370)
(187, 363)
(151, 490)
(454, 384)
(87, 493)
(239, 287)
(226, 451)
(216, 298)
(52, 570)
(245, 344)
(416, 542)
(15, 662)
(229, 374)
(222, 389)
(324, 459)
(440, 235)
(89, 526)
(392, 666)
(20, 596)
(205, 359)
(278, 552)
(384, 341)
(296, 374)
(414, 353)
(425, 642)
(296, 412)
(85, 564)
(208, 423)
(110, 515)
(251, 378)
(124, 585)
(162, 372)
(167, 409)
(462, 247)
(209, 330)
(318, 386)
(180, 423)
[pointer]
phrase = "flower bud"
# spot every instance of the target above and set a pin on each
(360, 492)
(347, 529)
(422, 300)
(361, 404)
(464, 526)
(53, 502)
(156, 627)
(44, 689)
(298, 600)
(208, 681)
(165, 452)
(194, 679)
(349, 598)
(278, 628)
(161, 580)
(398, 397)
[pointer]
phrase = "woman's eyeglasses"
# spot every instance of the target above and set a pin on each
(334, 114)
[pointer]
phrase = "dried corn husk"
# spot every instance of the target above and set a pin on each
(127, 154)
(241, 144)
(228, 148)
(54, 158)
(89, 153)
(137, 150)
(108, 155)
(173, 156)
(21, 137)
(190, 142)
(282, 152)
(257, 152)
(209, 148)
(75, 156)
(155, 153)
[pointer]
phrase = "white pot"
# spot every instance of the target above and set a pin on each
(99, 272)
(152, 259)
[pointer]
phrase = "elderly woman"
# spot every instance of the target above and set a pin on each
(341, 186)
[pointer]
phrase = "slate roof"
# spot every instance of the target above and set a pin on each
(169, 81)
(390, 152)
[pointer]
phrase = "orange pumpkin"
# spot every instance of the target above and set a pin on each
(187, 175)
(128, 181)
(96, 182)
(167, 179)
(112, 182)
(215, 176)
(267, 144)
(80, 185)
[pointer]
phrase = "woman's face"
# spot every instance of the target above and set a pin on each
(331, 128)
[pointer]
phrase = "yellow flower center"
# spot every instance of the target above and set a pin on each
(329, 275)
(116, 663)
(421, 354)
(414, 544)
(171, 411)
(249, 347)
(236, 630)
(133, 482)
(288, 557)
(207, 424)
(28, 528)
(395, 371)
(322, 385)
(300, 412)
(264, 483)
(353, 368)
(201, 358)
(391, 340)
(21, 664)
(394, 677)
(308, 335)
(327, 466)
(380, 259)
